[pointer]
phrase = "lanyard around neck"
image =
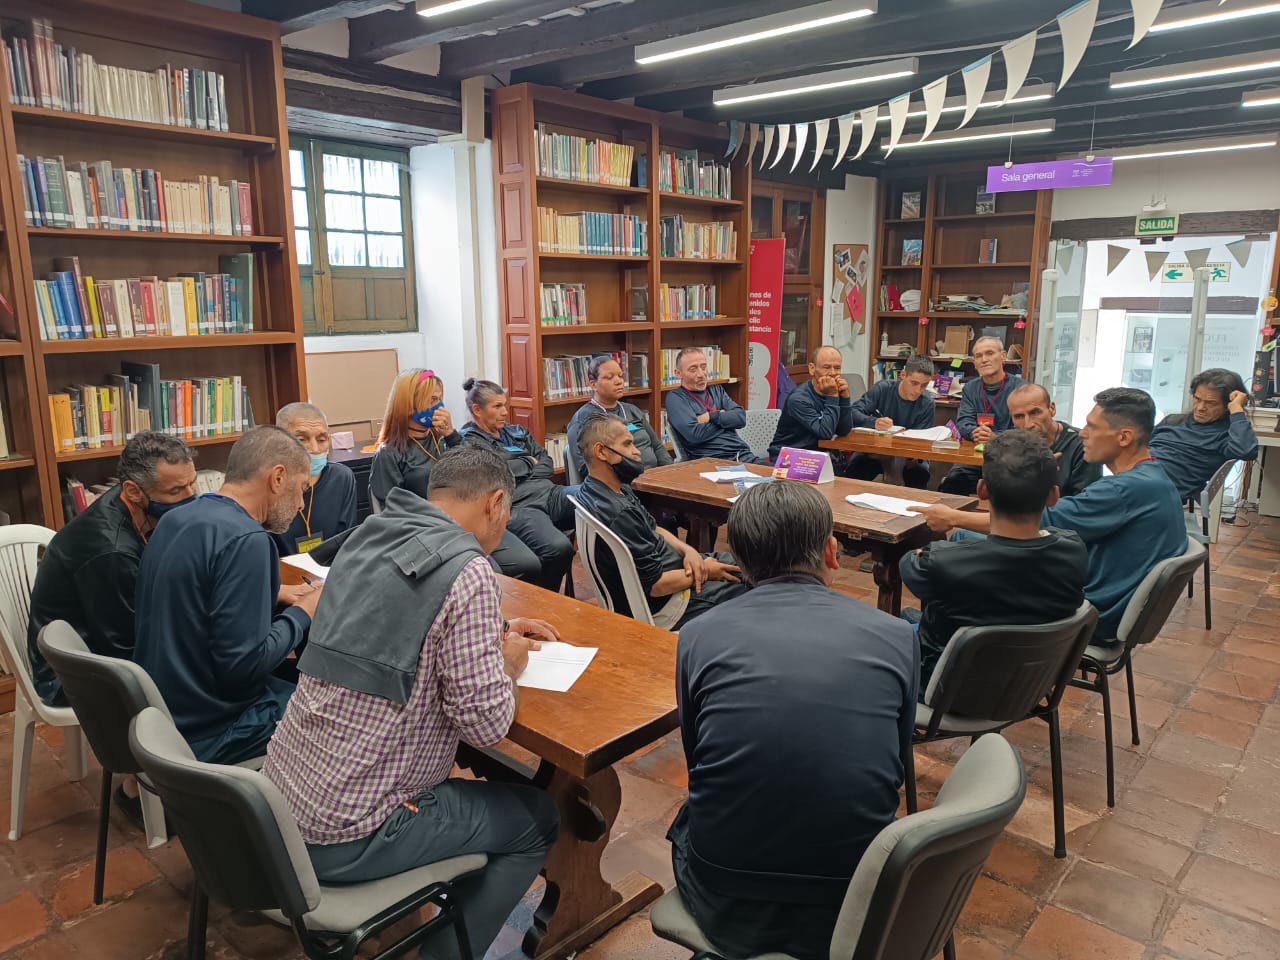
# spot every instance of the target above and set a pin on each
(989, 401)
(701, 399)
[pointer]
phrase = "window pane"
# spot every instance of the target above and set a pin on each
(761, 218)
(297, 172)
(346, 249)
(301, 215)
(341, 173)
(343, 212)
(383, 215)
(386, 251)
(793, 340)
(796, 217)
(303, 239)
(382, 177)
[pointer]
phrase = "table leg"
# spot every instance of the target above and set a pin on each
(885, 557)
(892, 468)
(579, 905)
(700, 537)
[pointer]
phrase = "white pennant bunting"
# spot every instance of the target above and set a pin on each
(1240, 250)
(975, 77)
(934, 94)
(1144, 15)
(784, 134)
(1115, 257)
(753, 135)
(802, 135)
(820, 128)
(1155, 261)
(867, 118)
(1198, 258)
(768, 144)
(736, 130)
(1076, 25)
(1066, 253)
(1017, 61)
(845, 123)
(898, 108)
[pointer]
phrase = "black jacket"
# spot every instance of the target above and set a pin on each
(529, 464)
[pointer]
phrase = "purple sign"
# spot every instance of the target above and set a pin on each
(809, 465)
(1049, 175)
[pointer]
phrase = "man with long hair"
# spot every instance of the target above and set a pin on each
(1192, 446)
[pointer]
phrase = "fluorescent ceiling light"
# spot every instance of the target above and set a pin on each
(1189, 147)
(815, 82)
(437, 9)
(973, 134)
(1031, 94)
(752, 31)
(1196, 70)
(1203, 14)
(1261, 98)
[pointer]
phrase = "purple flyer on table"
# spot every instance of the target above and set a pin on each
(808, 465)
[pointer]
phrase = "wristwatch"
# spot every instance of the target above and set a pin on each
(506, 625)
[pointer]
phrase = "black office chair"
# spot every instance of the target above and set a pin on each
(991, 677)
(246, 852)
(914, 879)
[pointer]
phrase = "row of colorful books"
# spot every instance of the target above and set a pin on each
(612, 234)
(695, 240)
(95, 195)
(717, 364)
(556, 445)
(76, 496)
(44, 73)
(563, 304)
(566, 376)
(567, 156)
(691, 301)
(76, 307)
(683, 171)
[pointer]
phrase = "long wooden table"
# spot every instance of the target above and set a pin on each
(905, 448)
(678, 489)
(625, 700)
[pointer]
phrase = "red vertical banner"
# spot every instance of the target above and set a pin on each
(764, 320)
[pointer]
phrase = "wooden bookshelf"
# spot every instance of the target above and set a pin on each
(519, 192)
(145, 35)
(950, 232)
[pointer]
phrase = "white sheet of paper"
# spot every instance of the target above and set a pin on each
(932, 433)
(725, 476)
(894, 505)
(308, 566)
(557, 666)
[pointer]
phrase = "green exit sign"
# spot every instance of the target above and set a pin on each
(1161, 226)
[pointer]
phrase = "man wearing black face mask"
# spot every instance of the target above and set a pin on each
(90, 568)
(666, 565)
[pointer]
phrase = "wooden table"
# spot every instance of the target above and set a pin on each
(894, 450)
(625, 700)
(678, 489)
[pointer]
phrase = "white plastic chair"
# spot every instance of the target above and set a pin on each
(19, 550)
(675, 445)
(760, 428)
(375, 505)
(590, 530)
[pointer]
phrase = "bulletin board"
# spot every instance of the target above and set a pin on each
(351, 386)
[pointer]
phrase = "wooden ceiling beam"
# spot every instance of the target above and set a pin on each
(374, 74)
(372, 108)
(382, 35)
(295, 15)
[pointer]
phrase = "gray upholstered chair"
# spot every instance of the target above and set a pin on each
(914, 879)
(246, 852)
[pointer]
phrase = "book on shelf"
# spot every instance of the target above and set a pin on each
(912, 252)
(696, 240)
(72, 306)
(564, 304)
(910, 205)
(565, 376)
(556, 445)
(96, 195)
(687, 302)
(985, 202)
(639, 296)
(609, 234)
(683, 171)
(567, 156)
(717, 364)
(987, 250)
(41, 72)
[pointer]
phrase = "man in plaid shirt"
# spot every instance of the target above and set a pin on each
(406, 660)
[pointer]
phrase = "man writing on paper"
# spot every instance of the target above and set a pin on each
(896, 403)
(703, 416)
(1031, 408)
(665, 564)
(329, 501)
(364, 751)
(984, 409)
(818, 409)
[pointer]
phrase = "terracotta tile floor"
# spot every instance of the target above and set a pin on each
(1186, 867)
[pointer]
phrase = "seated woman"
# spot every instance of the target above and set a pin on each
(608, 383)
(416, 431)
(329, 501)
(540, 511)
(1192, 446)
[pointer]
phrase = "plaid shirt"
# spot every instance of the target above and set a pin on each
(344, 760)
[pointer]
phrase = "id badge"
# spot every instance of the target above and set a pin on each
(633, 427)
(514, 449)
(987, 421)
(309, 543)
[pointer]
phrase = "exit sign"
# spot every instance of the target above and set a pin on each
(1161, 226)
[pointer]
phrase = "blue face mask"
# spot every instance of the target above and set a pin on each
(318, 462)
(423, 417)
(156, 509)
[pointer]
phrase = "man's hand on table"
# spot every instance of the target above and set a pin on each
(940, 518)
(982, 433)
(293, 594)
(524, 634)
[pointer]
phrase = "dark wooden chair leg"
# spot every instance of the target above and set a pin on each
(104, 821)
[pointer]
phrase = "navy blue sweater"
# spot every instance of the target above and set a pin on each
(717, 437)
(976, 400)
(884, 400)
(808, 416)
(328, 508)
(1192, 452)
(206, 634)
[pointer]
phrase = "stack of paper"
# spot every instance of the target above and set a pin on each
(308, 566)
(726, 476)
(556, 666)
(894, 505)
(931, 434)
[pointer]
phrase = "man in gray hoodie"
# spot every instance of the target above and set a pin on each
(408, 656)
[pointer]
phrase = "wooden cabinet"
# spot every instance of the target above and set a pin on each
(798, 216)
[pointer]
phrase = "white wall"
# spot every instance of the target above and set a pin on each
(851, 218)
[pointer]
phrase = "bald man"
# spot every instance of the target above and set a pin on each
(818, 409)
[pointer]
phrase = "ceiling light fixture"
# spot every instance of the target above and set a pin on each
(1196, 70)
(752, 31)
(1261, 98)
(1029, 94)
(972, 134)
(451, 6)
(1189, 147)
(816, 82)
(1204, 14)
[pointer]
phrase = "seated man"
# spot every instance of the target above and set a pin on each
(984, 409)
(329, 502)
(1191, 447)
(89, 571)
(704, 417)
(976, 581)
(209, 583)
(896, 403)
(665, 564)
(818, 409)
(797, 705)
(1129, 521)
(440, 668)
(1031, 408)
